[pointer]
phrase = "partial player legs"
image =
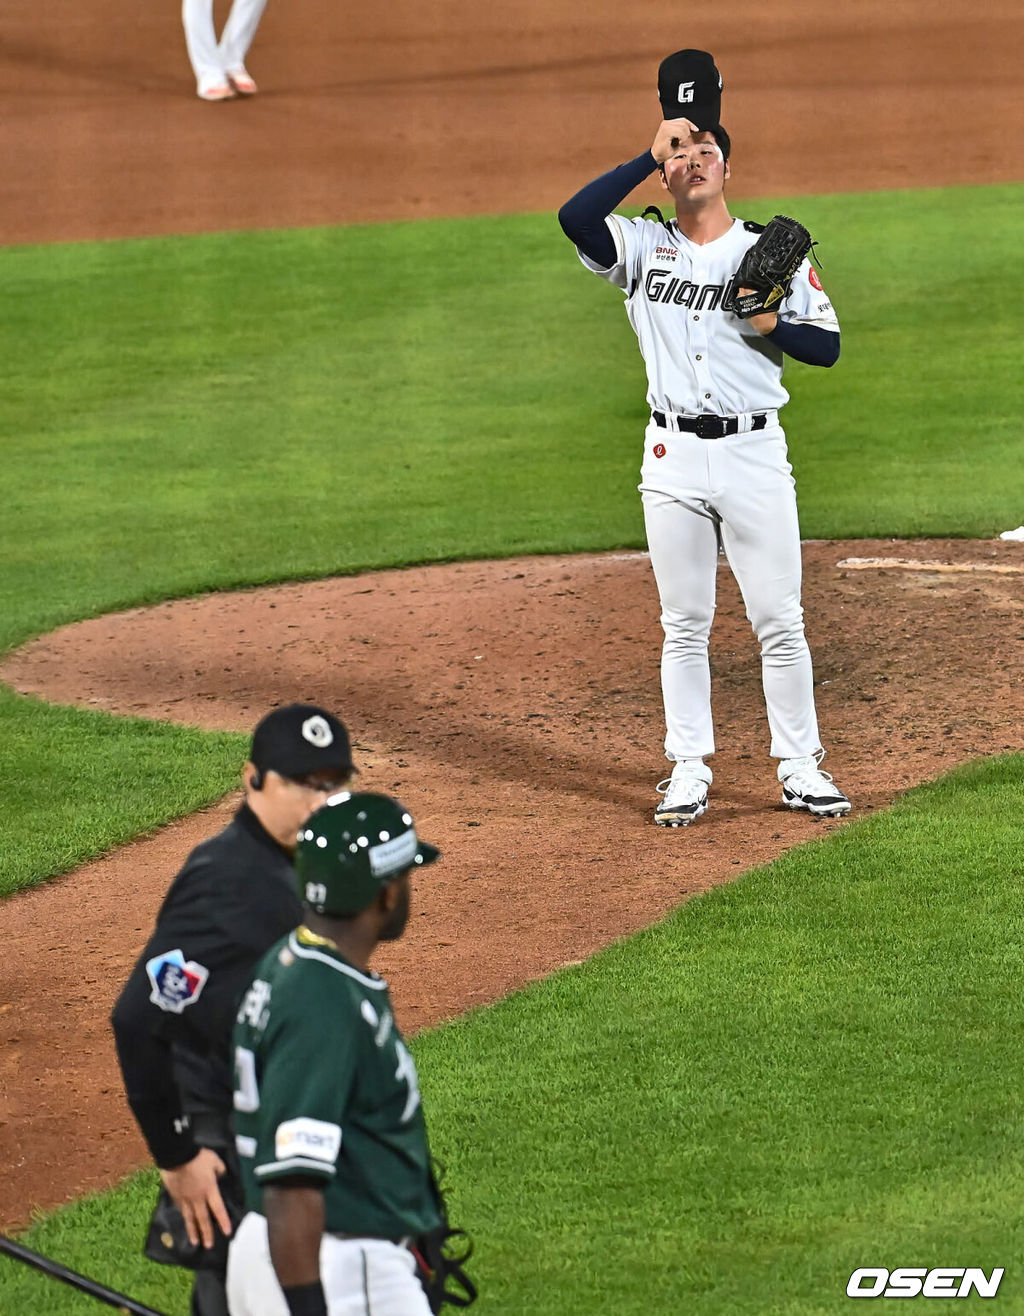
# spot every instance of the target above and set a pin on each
(238, 33)
(761, 538)
(252, 1284)
(740, 488)
(359, 1275)
(370, 1275)
(197, 20)
(212, 61)
(683, 543)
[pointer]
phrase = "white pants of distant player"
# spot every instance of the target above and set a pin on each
(212, 60)
(360, 1276)
(742, 488)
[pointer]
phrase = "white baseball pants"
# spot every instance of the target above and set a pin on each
(361, 1276)
(740, 488)
(212, 60)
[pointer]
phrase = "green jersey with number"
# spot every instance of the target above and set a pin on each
(327, 1089)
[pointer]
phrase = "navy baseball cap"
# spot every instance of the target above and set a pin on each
(300, 739)
(690, 87)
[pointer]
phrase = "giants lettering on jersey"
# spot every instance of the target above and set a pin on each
(697, 358)
(661, 286)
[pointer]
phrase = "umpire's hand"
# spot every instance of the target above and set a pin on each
(197, 1195)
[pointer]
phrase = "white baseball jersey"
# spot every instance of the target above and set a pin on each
(700, 358)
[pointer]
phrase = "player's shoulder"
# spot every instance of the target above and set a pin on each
(652, 215)
(652, 232)
(645, 226)
(237, 854)
(311, 956)
(745, 232)
(227, 847)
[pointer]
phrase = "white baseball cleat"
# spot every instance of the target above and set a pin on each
(242, 82)
(805, 786)
(685, 792)
(220, 91)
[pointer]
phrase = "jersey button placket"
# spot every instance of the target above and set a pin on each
(698, 337)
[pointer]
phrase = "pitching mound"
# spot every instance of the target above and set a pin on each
(515, 707)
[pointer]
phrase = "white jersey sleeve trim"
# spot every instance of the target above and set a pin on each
(807, 304)
(294, 1164)
(616, 274)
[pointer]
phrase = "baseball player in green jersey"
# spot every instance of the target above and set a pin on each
(329, 1128)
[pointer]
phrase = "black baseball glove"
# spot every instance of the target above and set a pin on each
(441, 1255)
(768, 268)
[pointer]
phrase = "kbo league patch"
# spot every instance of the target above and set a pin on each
(175, 983)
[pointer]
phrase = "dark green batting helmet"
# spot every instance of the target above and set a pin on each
(352, 846)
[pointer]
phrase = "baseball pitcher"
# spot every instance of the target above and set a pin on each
(716, 304)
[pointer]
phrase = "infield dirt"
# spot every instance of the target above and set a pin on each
(513, 705)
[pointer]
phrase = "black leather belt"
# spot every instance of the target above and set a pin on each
(707, 427)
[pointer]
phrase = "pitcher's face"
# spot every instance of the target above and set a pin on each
(698, 169)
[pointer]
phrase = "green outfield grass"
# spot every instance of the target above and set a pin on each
(813, 1069)
(188, 414)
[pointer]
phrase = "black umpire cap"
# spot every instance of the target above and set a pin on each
(690, 87)
(300, 739)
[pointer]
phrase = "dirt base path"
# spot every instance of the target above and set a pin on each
(521, 725)
(515, 707)
(407, 110)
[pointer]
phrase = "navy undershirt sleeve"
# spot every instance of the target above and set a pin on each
(583, 216)
(806, 342)
(583, 221)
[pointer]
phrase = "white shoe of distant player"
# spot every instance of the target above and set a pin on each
(216, 88)
(685, 794)
(242, 82)
(805, 786)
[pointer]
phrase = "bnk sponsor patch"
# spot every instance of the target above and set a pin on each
(314, 1140)
(175, 982)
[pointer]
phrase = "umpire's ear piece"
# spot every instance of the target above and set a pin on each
(256, 780)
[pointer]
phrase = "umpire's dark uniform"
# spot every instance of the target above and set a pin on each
(234, 897)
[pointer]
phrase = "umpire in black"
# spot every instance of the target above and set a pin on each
(234, 897)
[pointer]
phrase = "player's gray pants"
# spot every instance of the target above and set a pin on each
(361, 1276)
(742, 488)
(211, 59)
